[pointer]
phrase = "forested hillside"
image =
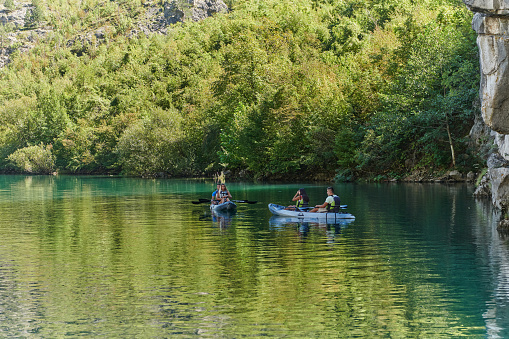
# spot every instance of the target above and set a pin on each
(272, 89)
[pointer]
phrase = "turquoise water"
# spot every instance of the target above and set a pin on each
(124, 258)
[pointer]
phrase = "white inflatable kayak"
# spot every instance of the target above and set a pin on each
(328, 217)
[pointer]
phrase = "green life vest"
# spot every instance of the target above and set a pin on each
(334, 206)
(301, 203)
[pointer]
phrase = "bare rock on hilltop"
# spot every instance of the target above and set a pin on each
(204, 8)
(157, 19)
(195, 10)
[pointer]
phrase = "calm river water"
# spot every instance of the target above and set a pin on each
(125, 258)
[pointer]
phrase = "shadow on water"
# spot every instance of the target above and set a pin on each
(221, 219)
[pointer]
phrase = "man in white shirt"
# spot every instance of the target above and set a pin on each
(331, 204)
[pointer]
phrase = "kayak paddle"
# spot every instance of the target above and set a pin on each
(245, 201)
(201, 201)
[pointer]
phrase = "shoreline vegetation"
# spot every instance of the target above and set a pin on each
(445, 177)
(272, 90)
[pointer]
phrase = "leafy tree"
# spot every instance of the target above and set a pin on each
(9, 5)
(426, 124)
(34, 15)
(155, 145)
(33, 159)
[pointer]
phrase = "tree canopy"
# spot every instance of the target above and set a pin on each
(273, 89)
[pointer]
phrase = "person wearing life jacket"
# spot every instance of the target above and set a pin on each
(301, 200)
(215, 195)
(224, 194)
(331, 204)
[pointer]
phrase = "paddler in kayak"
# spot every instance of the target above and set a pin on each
(224, 194)
(331, 204)
(215, 195)
(301, 198)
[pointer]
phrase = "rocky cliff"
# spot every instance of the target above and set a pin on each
(156, 19)
(491, 22)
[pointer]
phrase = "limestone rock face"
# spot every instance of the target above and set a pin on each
(493, 42)
(195, 10)
(499, 178)
(493, 7)
(15, 17)
(173, 12)
(205, 8)
(495, 160)
(491, 22)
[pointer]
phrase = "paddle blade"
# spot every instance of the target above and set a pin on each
(245, 201)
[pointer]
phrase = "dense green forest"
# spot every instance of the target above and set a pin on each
(273, 89)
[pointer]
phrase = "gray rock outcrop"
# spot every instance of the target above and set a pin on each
(15, 17)
(499, 179)
(492, 7)
(492, 39)
(174, 12)
(195, 10)
(158, 20)
(205, 8)
(495, 160)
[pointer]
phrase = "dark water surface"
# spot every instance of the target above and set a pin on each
(126, 258)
